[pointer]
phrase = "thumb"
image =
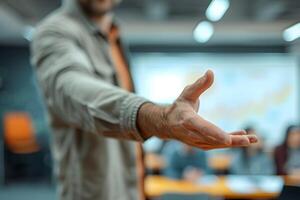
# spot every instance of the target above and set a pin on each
(193, 91)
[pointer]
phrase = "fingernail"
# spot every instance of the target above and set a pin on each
(253, 139)
(245, 142)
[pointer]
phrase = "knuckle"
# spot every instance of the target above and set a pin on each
(186, 88)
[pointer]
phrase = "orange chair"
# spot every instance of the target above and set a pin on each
(220, 162)
(19, 133)
(154, 162)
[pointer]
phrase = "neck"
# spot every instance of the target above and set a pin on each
(104, 22)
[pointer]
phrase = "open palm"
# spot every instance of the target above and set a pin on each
(184, 124)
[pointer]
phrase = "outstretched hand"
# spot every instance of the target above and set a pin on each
(180, 121)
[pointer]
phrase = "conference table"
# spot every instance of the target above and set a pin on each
(156, 162)
(156, 186)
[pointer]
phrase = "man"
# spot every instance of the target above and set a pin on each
(84, 75)
(184, 161)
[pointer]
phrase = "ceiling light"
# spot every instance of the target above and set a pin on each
(217, 9)
(203, 31)
(292, 33)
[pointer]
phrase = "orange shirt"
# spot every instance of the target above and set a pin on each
(119, 61)
(125, 82)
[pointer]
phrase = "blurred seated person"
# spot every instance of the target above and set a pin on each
(253, 160)
(287, 155)
(184, 162)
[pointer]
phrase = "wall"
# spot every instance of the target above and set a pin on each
(18, 90)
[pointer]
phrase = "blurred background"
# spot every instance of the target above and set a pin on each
(253, 47)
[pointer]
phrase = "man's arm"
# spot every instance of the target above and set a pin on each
(80, 99)
(74, 94)
(180, 121)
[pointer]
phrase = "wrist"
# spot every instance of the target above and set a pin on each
(152, 120)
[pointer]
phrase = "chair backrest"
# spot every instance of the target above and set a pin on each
(289, 193)
(219, 162)
(174, 196)
(154, 162)
(19, 133)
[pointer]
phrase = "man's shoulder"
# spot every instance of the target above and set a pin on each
(58, 22)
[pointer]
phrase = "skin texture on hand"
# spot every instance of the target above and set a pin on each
(180, 121)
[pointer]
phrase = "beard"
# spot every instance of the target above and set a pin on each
(97, 7)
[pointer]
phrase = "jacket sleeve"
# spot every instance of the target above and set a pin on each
(75, 95)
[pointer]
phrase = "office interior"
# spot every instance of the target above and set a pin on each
(253, 47)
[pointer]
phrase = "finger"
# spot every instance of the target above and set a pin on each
(241, 132)
(236, 142)
(208, 130)
(252, 138)
(193, 92)
(239, 140)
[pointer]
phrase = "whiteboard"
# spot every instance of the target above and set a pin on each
(257, 89)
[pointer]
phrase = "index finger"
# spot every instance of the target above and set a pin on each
(237, 141)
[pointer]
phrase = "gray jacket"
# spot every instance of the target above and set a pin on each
(93, 120)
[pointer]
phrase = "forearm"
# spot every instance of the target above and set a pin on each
(95, 106)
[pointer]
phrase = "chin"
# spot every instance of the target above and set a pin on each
(102, 8)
